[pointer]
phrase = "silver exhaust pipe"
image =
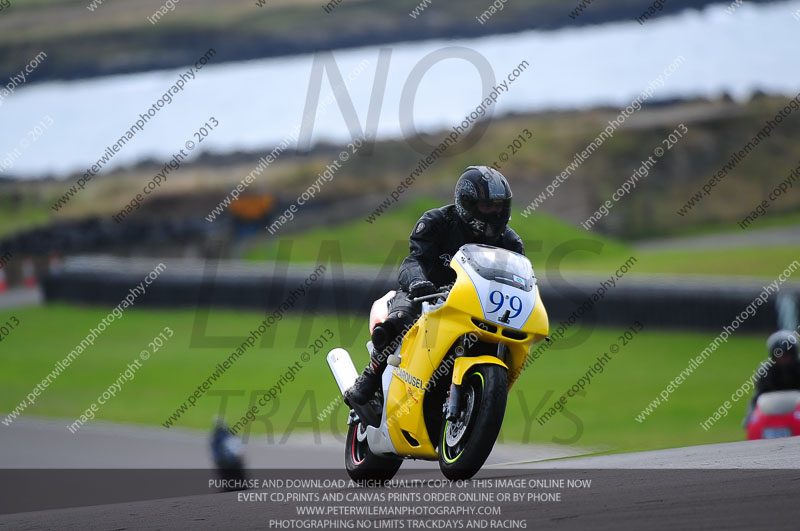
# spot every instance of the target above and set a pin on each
(342, 368)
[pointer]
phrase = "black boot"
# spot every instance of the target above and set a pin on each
(361, 397)
(364, 388)
(367, 383)
(361, 393)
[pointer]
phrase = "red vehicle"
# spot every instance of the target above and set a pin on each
(777, 414)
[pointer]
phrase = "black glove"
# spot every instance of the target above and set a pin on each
(420, 288)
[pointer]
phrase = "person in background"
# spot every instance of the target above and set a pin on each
(784, 372)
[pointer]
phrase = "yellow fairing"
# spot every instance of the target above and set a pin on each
(428, 342)
(462, 365)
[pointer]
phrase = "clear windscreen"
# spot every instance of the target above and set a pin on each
(500, 265)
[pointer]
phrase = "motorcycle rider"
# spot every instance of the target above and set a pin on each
(783, 374)
(480, 214)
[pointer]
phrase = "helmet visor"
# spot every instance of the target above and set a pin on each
(492, 210)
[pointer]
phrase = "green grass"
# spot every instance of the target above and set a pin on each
(776, 220)
(373, 243)
(634, 377)
(629, 382)
(763, 262)
(550, 243)
(15, 217)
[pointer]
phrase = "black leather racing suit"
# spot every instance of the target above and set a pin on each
(436, 237)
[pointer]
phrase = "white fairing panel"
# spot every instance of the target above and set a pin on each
(378, 438)
(342, 367)
(778, 402)
(502, 302)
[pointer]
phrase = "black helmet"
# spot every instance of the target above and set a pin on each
(782, 347)
(483, 200)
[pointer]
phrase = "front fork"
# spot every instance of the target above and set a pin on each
(454, 402)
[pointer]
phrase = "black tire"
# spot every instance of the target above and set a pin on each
(362, 464)
(466, 444)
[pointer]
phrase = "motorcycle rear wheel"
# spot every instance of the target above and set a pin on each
(361, 463)
(466, 443)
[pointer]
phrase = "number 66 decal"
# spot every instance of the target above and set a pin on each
(497, 298)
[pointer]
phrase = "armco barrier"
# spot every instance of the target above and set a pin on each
(703, 303)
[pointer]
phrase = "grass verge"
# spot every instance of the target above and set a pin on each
(551, 244)
(603, 417)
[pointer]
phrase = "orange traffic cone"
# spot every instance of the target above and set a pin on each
(28, 274)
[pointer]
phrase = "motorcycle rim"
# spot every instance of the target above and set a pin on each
(360, 446)
(456, 434)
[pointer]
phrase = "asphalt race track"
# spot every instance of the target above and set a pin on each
(47, 444)
(743, 485)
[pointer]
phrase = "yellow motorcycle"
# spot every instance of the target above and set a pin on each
(443, 393)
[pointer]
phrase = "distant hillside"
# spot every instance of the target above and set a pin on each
(117, 37)
(716, 131)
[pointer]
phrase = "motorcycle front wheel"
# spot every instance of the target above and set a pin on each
(467, 442)
(361, 463)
